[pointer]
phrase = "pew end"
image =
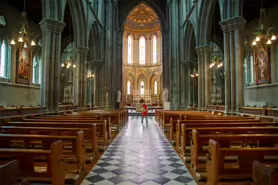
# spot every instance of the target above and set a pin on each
(263, 175)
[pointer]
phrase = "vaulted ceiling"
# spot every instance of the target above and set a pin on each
(142, 17)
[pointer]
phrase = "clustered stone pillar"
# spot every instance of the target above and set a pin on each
(80, 77)
(200, 77)
(207, 55)
(51, 53)
(109, 52)
(174, 54)
(233, 63)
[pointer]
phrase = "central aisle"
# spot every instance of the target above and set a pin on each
(140, 155)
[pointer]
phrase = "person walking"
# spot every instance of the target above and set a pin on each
(144, 112)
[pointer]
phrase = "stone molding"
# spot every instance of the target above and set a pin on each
(52, 25)
(81, 50)
(235, 23)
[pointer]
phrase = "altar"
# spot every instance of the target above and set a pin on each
(146, 96)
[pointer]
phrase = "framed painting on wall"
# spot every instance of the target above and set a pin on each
(23, 67)
(262, 66)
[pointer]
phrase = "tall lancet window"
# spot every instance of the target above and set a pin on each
(142, 50)
(129, 50)
(128, 87)
(155, 87)
(142, 88)
(154, 50)
(3, 59)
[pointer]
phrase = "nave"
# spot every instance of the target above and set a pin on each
(140, 154)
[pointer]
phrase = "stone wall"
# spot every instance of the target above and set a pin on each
(266, 93)
(10, 92)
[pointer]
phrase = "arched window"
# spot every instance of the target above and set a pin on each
(155, 87)
(142, 88)
(36, 71)
(142, 50)
(3, 60)
(154, 50)
(129, 49)
(128, 87)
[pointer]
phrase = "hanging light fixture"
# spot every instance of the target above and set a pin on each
(23, 35)
(216, 62)
(263, 34)
(194, 74)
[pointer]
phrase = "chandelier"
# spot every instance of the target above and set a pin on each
(264, 34)
(68, 63)
(23, 35)
(216, 62)
(194, 74)
(89, 75)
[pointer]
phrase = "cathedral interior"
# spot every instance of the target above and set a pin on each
(207, 71)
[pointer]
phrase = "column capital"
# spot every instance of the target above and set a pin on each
(206, 48)
(81, 49)
(52, 25)
(235, 23)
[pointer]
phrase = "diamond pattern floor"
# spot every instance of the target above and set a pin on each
(140, 154)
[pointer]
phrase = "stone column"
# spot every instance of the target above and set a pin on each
(51, 51)
(200, 77)
(238, 25)
(174, 54)
(232, 67)
(109, 48)
(273, 63)
(80, 77)
(224, 26)
(207, 54)
(183, 86)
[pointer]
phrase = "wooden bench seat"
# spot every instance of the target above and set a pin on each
(90, 134)
(187, 133)
(175, 127)
(104, 132)
(199, 140)
(55, 163)
(76, 144)
(217, 169)
(9, 174)
(264, 175)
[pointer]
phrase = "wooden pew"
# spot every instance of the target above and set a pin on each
(264, 175)
(187, 132)
(55, 163)
(101, 127)
(76, 142)
(217, 169)
(175, 127)
(198, 141)
(90, 134)
(9, 174)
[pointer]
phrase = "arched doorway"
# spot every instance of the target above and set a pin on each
(142, 57)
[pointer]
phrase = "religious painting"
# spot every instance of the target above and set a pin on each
(262, 67)
(23, 67)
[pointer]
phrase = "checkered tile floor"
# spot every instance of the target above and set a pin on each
(140, 154)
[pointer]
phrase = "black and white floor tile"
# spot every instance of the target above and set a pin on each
(140, 154)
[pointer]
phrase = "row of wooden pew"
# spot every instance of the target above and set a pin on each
(222, 148)
(56, 148)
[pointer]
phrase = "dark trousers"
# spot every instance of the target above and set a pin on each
(118, 105)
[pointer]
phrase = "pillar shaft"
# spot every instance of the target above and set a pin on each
(239, 57)
(224, 26)
(109, 53)
(207, 54)
(232, 69)
(174, 54)
(200, 77)
(51, 53)
(80, 77)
